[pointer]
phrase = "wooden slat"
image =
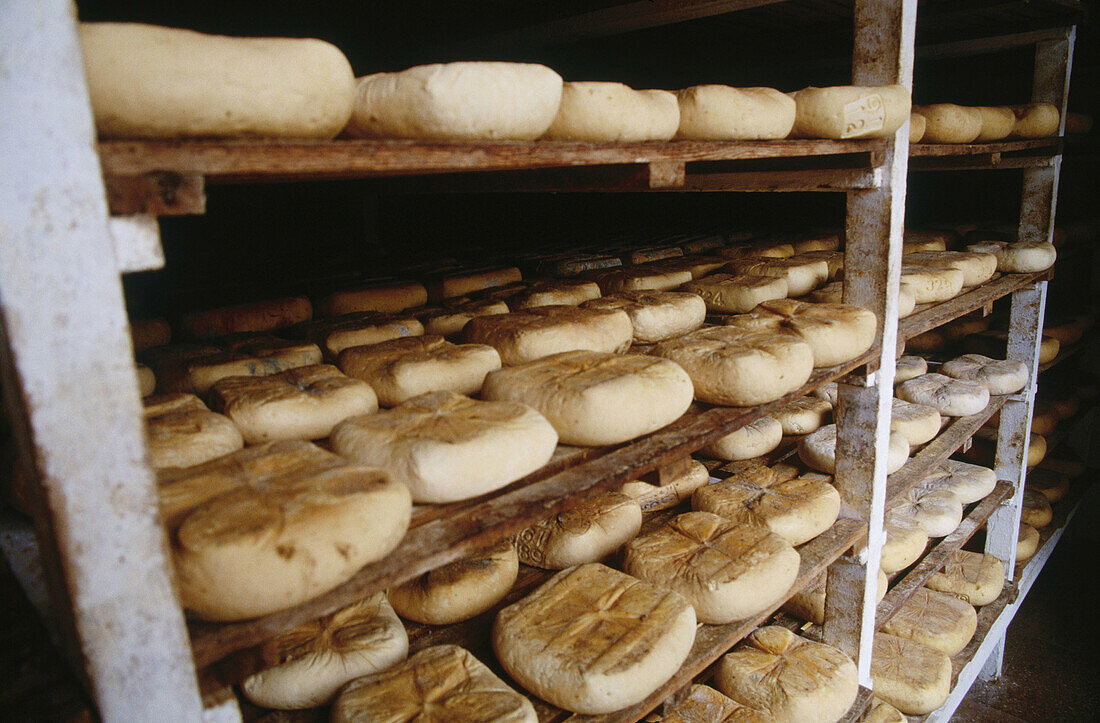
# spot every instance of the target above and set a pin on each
(260, 160)
(453, 536)
(939, 554)
(1042, 146)
(860, 707)
(939, 314)
(933, 454)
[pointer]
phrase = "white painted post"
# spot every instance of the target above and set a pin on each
(70, 381)
(883, 54)
(1039, 200)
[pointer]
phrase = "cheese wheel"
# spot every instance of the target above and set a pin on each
(443, 682)
(919, 423)
(818, 450)
(603, 112)
(834, 260)
(850, 111)
(446, 447)
(181, 432)
(909, 675)
(730, 366)
(1053, 485)
(788, 677)
(884, 712)
(994, 343)
(997, 123)
(836, 333)
(594, 640)
(640, 278)
(951, 397)
(194, 368)
(272, 526)
(147, 333)
(803, 415)
(1043, 419)
(302, 403)
(697, 266)
(968, 482)
(596, 399)
(797, 510)
(458, 590)
(1036, 449)
(661, 497)
(816, 244)
(524, 336)
(455, 285)
(931, 284)
(382, 298)
(752, 440)
(259, 316)
(950, 123)
(809, 603)
(913, 241)
(147, 380)
(1027, 544)
(905, 542)
(1036, 509)
(1067, 330)
(464, 101)
(146, 81)
(977, 268)
(736, 293)
(909, 367)
(317, 658)
(401, 369)
(276, 354)
(704, 704)
(337, 333)
(759, 249)
(570, 292)
(1036, 120)
(937, 511)
(725, 570)
(1000, 376)
(970, 576)
(917, 125)
(589, 532)
(833, 293)
(802, 275)
(722, 113)
(451, 319)
(1021, 257)
(656, 315)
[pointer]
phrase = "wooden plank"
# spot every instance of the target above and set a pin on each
(1043, 147)
(939, 554)
(136, 241)
(70, 386)
(260, 160)
(983, 161)
(159, 194)
(450, 537)
(841, 179)
(977, 298)
(933, 454)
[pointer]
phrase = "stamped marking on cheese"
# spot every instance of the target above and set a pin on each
(865, 115)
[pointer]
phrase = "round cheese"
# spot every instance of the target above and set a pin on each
(465, 101)
(1053, 485)
(146, 81)
(181, 432)
(765, 249)
(568, 292)
(359, 329)
(301, 403)
(1036, 449)
(722, 113)
(1036, 120)
(802, 275)
(1067, 330)
(594, 640)
(834, 260)
(1027, 544)
(725, 570)
(805, 245)
(704, 704)
(909, 675)
(917, 126)
(753, 440)
(803, 415)
(272, 526)
(937, 511)
(905, 543)
(147, 380)
(970, 576)
(604, 112)
(523, 336)
(950, 123)
(317, 658)
(836, 333)
(968, 482)
(909, 367)
(589, 532)
(917, 422)
(443, 682)
(997, 123)
(977, 268)
(913, 241)
(951, 397)
(596, 399)
(790, 678)
(850, 111)
(931, 284)
(646, 277)
(381, 298)
(884, 712)
(1036, 510)
(738, 368)
(446, 447)
(453, 318)
(661, 497)
(1021, 257)
(656, 315)
(1000, 376)
(275, 353)
(459, 590)
(833, 293)
(818, 450)
(736, 293)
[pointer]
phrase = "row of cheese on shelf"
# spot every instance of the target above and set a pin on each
(154, 82)
(950, 123)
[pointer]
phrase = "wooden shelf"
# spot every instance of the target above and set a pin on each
(935, 558)
(933, 454)
(1063, 354)
(443, 534)
(930, 316)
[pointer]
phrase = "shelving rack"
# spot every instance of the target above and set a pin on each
(77, 214)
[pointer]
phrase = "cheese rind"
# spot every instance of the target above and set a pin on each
(656, 315)
(753, 440)
(181, 432)
(951, 397)
(458, 590)
(939, 621)
(911, 676)
(971, 576)
(524, 336)
(736, 293)
(604, 112)
(589, 532)
(722, 113)
(850, 111)
(950, 123)
(1000, 376)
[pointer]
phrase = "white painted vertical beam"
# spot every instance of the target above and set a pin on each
(70, 381)
(883, 54)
